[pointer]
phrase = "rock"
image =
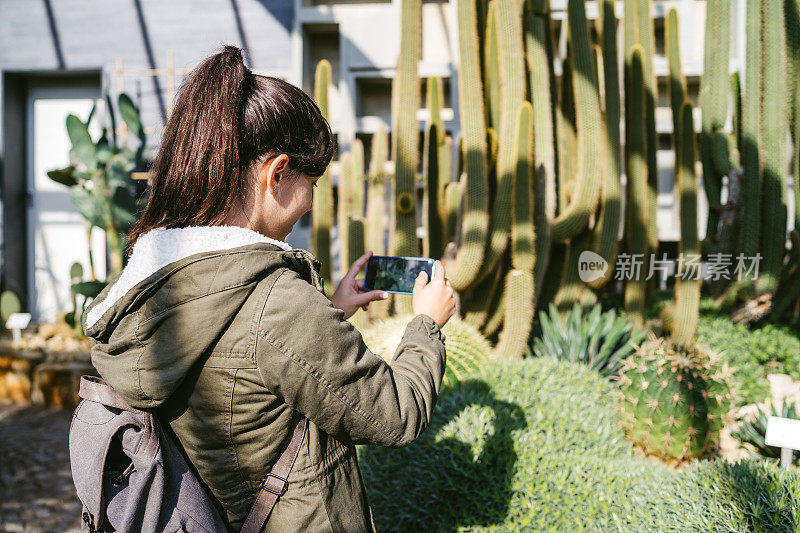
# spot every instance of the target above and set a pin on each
(16, 373)
(57, 384)
(783, 387)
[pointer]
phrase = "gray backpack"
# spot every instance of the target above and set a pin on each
(131, 476)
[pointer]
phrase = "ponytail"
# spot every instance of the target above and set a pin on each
(224, 118)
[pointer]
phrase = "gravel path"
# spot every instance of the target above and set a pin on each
(36, 490)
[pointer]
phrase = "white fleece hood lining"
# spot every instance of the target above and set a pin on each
(161, 246)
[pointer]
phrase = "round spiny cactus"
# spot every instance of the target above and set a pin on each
(467, 349)
(674, 399)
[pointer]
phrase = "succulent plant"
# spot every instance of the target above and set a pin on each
(467, 349)
(675, 399)
(752, 430)
(9, 304)
(99, 176)
(599, 340)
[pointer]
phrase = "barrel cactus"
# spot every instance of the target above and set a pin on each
(467, 349)
(675, 399)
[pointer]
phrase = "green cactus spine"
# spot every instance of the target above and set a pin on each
(674, 400)
(322, 208)
(464, 269)
(773, 213)
(587, 113)
(687, 291)
(637, 205)
(512, 88)
(606, 232)
(405, 138)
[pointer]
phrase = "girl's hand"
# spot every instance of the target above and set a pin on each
(350, 294)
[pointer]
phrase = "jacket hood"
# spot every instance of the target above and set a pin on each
(178, 293)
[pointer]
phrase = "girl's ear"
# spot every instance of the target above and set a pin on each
(271, 172)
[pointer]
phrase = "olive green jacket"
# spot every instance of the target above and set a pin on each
(228, 335)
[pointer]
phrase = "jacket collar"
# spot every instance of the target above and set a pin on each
(161, 246)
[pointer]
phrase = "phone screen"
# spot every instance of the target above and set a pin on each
(395, 274)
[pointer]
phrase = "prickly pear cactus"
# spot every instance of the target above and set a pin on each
(467, 349)
(675, 399)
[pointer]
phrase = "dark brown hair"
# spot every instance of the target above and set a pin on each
(224, 119)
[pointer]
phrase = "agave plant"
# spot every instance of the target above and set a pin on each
(753, 430)
(598, 340)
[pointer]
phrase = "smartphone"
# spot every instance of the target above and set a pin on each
(395, 274)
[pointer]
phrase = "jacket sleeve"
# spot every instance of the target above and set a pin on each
(317, 362)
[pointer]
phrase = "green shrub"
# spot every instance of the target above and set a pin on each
(752, 354)
(600, 341)
(535, 445)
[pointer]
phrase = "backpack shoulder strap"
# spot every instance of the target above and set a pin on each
(94, 389)
(275, 482)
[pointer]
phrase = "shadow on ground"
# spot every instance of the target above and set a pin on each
(454, 479)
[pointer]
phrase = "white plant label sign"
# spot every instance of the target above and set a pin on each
(783, 433)
(18, 320)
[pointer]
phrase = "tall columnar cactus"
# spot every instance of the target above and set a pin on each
(464, 269)
(491, 67)
(538, 54)
(637, 205)
(587, 113)
(355, 249)
(519, 284)
(677, 81)
(322, 209)
(647, 39)
(675, 400)
(604, 240)
(687, 285)
(345, 203)
(573, 289)
(376, 193)
(433, 243)
(750, 213)
(405, 138)
(512, 93)
(523, 254)
(773, 214)
(518, 316)
(714, 104)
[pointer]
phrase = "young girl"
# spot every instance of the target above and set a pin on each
(224, 329)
